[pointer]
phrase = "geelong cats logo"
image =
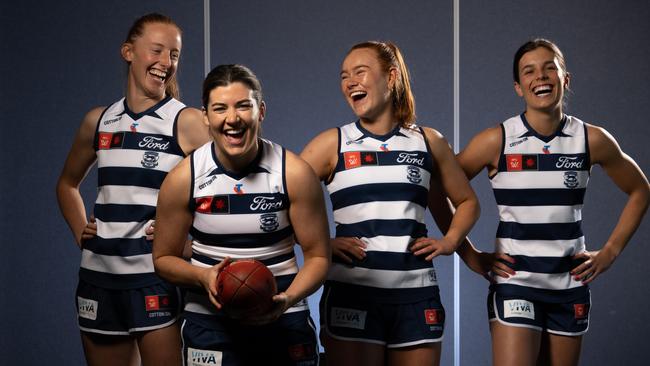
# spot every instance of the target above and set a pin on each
(413, 174)
(571, 179)
(269, 222)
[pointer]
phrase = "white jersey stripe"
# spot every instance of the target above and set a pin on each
(395, 210)
(383, 278)
(540, 214)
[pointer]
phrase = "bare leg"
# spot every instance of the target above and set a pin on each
(559, 350)
(161, 346)
(109, 350)
(350, 353)
(514, 346)
(427, 354)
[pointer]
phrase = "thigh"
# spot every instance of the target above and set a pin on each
(513, 345)
(352, 353)
(110, 350)
(161, 346)
(559, 350)
(421, 355)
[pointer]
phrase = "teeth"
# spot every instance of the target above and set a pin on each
(357, 93)
(158, 73)
(233, 132)
(542, 89)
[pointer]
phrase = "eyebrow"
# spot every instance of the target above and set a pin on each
(355, 68)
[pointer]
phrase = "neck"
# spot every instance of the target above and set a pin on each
(138, 101)
(237, 163)
(543, 122)
(381, 125)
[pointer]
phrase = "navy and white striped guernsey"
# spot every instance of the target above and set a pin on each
(379, 193)
(539, 189)
(134, 153)
(241, 215)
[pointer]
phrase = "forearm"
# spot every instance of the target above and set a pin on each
(464, 218)
(628, 222)
(178, 271)
(308, 279)
(73, 210)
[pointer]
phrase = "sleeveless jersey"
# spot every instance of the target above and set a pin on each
(539, 190)
(379, 193)
(134, 153)
(241, 215)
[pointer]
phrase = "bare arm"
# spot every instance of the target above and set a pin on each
(483, 151)
(173, 221)
(626, 174)
(79, 161)
(321, 154)
(449, 178)
(309, 221)
(192, 132)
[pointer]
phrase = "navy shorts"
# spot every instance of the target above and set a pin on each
(347, 317)
(217, 340)
(569, 318)
(124, 311)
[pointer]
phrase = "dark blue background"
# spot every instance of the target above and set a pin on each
(60, 59)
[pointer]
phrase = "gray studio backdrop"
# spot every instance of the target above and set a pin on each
(62, 58)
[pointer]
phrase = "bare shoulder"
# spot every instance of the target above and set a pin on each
(324, 141)
(192, 132)
(296, 166)
(603, 146)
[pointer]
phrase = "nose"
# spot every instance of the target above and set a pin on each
(231, 116)
(541, 74)
(165, 58)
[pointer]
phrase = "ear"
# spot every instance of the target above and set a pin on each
(518, 89)
(567, 80)
(205, 117)
(127, 52)
(262, 111)
(392, 77)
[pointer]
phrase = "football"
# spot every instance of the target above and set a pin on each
(245, 288)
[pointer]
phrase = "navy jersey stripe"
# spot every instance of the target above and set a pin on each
(539, 294)
(544, 264)
(245, 240)
(140, 177)
(253, 203)
(267, 262)
(379, 192)
(124, 213)
(539, 197)
(553, 231)
(118, 246)
(391, 261)
(372, 228)
(554, 162)
(420, 159)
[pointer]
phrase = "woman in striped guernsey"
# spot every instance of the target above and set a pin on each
(381, 304)
(127, 314)
(539, 164)
(248, 198)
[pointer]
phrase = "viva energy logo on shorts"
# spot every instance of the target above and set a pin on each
(87, 308)
(518, 309)
(348, 318)
(200, 357)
